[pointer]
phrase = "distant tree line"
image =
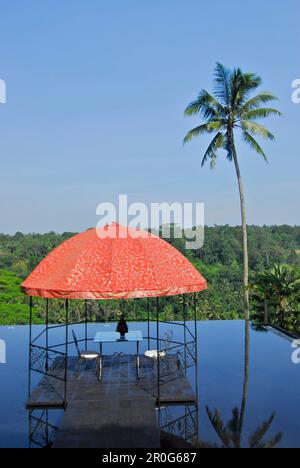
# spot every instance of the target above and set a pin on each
(220, 260)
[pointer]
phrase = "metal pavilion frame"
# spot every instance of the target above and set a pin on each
(51, 360)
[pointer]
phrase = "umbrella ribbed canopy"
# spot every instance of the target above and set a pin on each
(113, 262)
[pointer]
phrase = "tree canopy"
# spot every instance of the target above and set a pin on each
(219, 260)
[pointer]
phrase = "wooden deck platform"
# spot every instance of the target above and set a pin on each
(109, 424)
(117, 411)
(119, 382)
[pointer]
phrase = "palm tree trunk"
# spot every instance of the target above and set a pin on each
(245, 235)
(246, 380)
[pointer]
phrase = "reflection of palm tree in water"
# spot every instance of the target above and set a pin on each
(246, 380)
(231, 433)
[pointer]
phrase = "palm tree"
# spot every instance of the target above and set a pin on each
(229, 110)
(262, 292)
(168, 313)
(281, 286)
(230, 433)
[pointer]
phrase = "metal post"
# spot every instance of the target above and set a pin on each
(148, 313)
(195, 318)
(47, 429)
(66, 352)
(184, 331)
(30, 345)
(196, 335)
(47, 335)
(186, 415)
(196, 361)
(158, 352)
(30, 319)
(85, 323)
(30, 428)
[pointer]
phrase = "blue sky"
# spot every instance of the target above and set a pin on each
(95, 97)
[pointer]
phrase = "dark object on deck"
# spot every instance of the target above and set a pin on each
(122, 327)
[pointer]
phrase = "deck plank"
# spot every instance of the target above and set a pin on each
(109, 424)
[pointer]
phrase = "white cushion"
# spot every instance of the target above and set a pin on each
(89, 355)
(153, 354)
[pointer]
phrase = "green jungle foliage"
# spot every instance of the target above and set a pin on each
(219, 260)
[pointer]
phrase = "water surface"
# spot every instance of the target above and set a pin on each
(273, 385)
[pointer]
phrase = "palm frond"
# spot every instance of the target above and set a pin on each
(254, 145)
(228, 148)
(256, 439)
(206, 105)
(272, 442)
(233, 427)
(208, 127)
(223, 84)
(216, 144)
(213, 161)
(251, 81)
(242, 84)
(229, 108)
(256, 129)
(218, 425)
(258, 100)
(260, 113)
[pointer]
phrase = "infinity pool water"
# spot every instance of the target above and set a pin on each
(273, 381)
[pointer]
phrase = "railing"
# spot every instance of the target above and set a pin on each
(183, 425)
(41, 430)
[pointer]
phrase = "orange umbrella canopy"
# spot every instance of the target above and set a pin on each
(113, 262)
